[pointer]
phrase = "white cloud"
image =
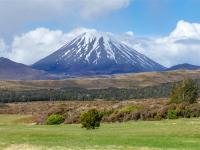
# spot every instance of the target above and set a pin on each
(37, 44)
(3, 48)
(41, 8)
(2, 45)
(18, 14)
(129, 33)
(186, 30)
(182, 45)
(92, 8)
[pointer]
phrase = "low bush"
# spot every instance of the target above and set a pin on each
(172, 114)
(187, 113)
(158, 116)
(91, 119)
(194, 110)
(55, 119)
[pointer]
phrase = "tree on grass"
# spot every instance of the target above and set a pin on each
(185, 92)
(91, 119)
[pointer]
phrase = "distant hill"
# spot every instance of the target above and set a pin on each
(184, 66)
(10, 70)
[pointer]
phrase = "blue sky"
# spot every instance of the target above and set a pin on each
(143, 17)
(168, 31)
(159, 17)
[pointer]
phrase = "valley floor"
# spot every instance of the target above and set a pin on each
(17, 132)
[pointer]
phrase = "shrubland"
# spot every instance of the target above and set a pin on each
(183, 103)
(112, 111)
(84, 94)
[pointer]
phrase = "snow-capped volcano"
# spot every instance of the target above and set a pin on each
(95, 52)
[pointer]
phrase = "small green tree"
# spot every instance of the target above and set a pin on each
(186, 91)
(91, 119)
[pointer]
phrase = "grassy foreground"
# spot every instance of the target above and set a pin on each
(142, 135)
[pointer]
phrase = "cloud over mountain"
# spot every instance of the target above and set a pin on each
(3, 48)
(182, 45)
(36, 44)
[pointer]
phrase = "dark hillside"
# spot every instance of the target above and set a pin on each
(81, 94)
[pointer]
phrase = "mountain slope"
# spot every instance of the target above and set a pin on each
(184, 67)
(94, 53)
(10, 70)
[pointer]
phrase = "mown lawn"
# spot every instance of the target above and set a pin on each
(142, 135)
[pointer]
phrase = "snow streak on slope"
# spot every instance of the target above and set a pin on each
(97, 51)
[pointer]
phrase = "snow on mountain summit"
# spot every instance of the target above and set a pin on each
(94, 52)
(88, 43)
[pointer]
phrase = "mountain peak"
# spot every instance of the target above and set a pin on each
(6, 61)
(91, 42)
(3, 58)
(94, 52)
(96, 34)
(10, 70)
(80, 31)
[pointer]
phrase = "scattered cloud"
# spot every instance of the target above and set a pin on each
(182, 45)
(3, 48)
(129, 33)
(18, 14)
(37, 44)
(97, 7)
(185, 30)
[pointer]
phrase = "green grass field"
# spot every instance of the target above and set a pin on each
(142, 135)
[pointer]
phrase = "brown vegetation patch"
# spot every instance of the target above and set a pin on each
(129, 80)
(113, 111)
